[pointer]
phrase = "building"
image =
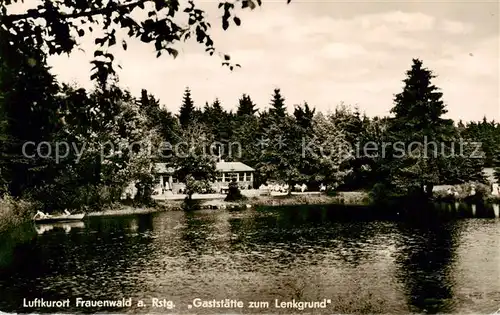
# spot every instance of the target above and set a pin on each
(226, 172)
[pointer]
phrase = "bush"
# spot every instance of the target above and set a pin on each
(14, 212)
(56, 198)
(234, 193)
(380, 194)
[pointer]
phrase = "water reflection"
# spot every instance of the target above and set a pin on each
(425, 256)
(365, 261)
(66, 226)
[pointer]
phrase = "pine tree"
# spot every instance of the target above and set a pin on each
(418, 110)
(304, 115)
(246, 106)
(278, 109)
(187, 111)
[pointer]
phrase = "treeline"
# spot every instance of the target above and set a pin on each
(344, 149)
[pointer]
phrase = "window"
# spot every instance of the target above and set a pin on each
(230, 176)
(249, 176)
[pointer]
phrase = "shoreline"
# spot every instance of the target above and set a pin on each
(216, 202)
(347, 198)
(354, 198)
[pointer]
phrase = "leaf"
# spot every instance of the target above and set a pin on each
(225, 24)
(100, 41)
(81, 32)
(237, 20)
(98, 53)
(124, 45)
(227, 57)
(173, 52)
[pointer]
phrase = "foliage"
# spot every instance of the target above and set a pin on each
(332, 153)
(14, 211)
(194, 161)
(418, 110)
(234, 193)
(246, 106)
(161, 23)
(278, 108)
(108, 134)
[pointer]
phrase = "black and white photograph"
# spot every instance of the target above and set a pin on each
(249, 157)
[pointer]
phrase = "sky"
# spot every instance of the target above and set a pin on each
(324, 52)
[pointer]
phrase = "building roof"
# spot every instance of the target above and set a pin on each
(220, 166)
(162, 168)
(233, 167)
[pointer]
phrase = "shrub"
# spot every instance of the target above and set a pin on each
(14, 212)
(380, 194)
(234, 193)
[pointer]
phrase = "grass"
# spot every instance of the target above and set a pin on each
(347, 198)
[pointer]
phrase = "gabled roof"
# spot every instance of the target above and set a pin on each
(233, 167)
(220, 166)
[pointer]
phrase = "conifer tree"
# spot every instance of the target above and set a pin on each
(246, 106)
(278, 109)
(304, 115)
(187, 111)
(418, 111)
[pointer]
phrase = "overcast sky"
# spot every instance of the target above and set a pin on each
(325, 52)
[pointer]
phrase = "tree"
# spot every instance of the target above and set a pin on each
(194, 159)
(304, 115)
(245, 134)
(464, 164)
(487, 133)
(418, 110)
(220, 124)
(281, 158)
(349, 120)
(186, 114)
(330, 152)
(30, 113)
(158, 117)
(113, 136)
(63, 20)
(246, 106)
(278, 109)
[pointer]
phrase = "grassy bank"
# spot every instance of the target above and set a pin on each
(343, 198)
(121, 209)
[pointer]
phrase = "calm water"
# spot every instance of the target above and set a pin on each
(443, 260)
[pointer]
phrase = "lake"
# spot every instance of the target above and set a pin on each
(440, 260)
